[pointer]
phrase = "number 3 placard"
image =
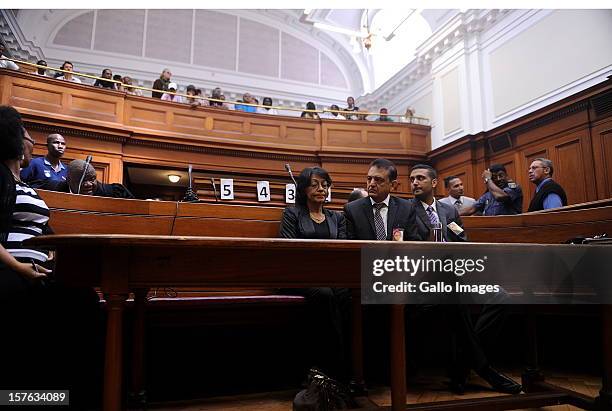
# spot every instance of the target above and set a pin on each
(263, 190)
(227, 189)
(290, 193)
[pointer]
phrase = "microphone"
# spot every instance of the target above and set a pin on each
(288, 168)
(212, 180)
(87, 162)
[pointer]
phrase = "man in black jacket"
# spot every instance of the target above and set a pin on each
(376, 216)
(472, 337)
(548, 193)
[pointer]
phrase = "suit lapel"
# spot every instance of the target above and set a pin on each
(331, 224)
(391, 215)
(369, 214)
(421, 214)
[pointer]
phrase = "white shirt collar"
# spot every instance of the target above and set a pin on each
(386, 200)
(433, 205)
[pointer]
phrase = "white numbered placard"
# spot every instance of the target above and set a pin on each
(227, 189)
(290, 193)
(263, 190)
(328, 199)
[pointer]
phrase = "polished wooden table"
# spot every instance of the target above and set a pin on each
(119, 264)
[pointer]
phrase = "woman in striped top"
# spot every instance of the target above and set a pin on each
(22, 213)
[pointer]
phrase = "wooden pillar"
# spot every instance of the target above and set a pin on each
(398, 358)
(357, 339)
(113, 361)
(137, 387)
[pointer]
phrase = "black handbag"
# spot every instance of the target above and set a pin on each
(323, 394)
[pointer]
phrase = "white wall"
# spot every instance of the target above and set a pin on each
(484, 68)
(565, 46)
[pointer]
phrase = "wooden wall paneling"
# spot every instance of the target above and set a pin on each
(464, 172)
(22, 93)
(78, 214)
(572, 162)
(508, 160)
(84, 203)
(105, 105)
(602, 155)
(526, 158)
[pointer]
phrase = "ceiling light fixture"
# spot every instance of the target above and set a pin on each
(174, 178)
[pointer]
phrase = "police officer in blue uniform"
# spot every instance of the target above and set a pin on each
(503, 196)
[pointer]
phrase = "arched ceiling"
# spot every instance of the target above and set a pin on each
(283, 49)
(268, 43)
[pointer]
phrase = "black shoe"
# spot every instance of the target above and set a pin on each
(499, 381)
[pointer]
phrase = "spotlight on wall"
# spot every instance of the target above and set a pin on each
(174, 178)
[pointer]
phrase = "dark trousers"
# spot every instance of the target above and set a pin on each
(474, 338)
(328, 328)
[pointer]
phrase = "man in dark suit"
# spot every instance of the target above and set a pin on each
(376, 216)
(471, 337)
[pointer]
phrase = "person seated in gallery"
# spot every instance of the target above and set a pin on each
(39, 70)
(333, 113)
(192, 100)
(267, 102)
(310, 106)
(216, 95)
(162, 83)
(119, 82)
(108, 75)
(350, 106)
(90, 186)
(4, 62)
(383, 115)
(68, 67)
(356, 194)
(170, 96)
(130, 90)
(248, 99)
(309, 219)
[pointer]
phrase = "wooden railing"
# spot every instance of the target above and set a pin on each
(77, 214)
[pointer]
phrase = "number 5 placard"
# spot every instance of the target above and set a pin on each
(290, 193)
(263, 190)
(227, 189)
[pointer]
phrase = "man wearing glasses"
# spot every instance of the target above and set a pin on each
(548, 193)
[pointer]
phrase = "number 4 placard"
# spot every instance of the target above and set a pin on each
(263, 190)
(227, 189)
(290, 193)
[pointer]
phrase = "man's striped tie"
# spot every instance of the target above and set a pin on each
(381, 234)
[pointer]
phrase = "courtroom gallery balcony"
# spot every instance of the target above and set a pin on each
(122, 131)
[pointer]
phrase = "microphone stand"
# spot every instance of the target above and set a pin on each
(190, 195)
(288, 168)
(87, 162)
